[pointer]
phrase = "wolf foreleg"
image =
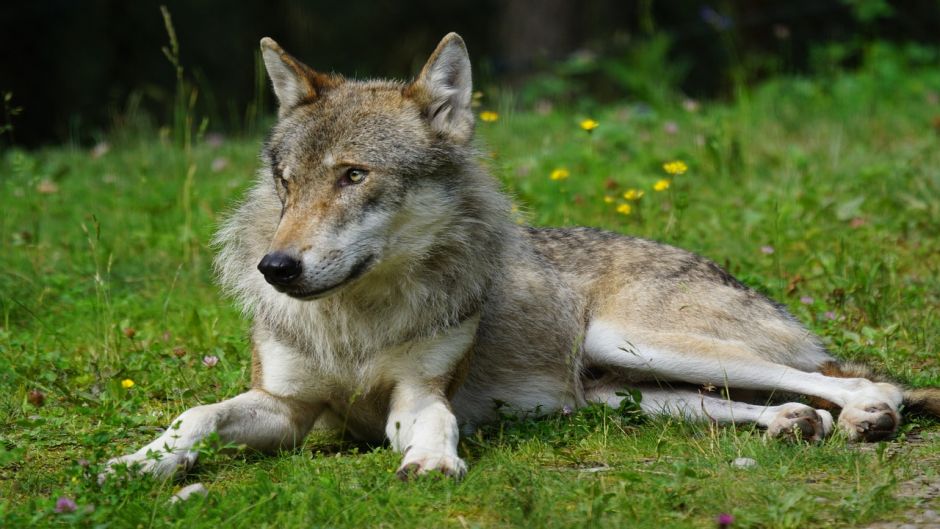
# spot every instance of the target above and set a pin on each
(423, 428)
(255, 418)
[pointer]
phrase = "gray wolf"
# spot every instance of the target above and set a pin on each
(392, 296)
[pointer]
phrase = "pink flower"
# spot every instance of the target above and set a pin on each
(65, 504)
(807, 300)
(724, 520)
(670, 127)
(767, 250)
(210, 360)
(829, 315)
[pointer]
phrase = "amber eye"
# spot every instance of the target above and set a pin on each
(353, 175)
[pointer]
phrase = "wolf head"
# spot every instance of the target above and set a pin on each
(362, 169)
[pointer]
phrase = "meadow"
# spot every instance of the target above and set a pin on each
(822, 192)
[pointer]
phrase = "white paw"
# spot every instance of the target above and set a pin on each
(869, 421)
(798, 421)
(158, 463)
(418, 462)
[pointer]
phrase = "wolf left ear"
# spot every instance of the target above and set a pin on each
(294, 82)
(443, 89)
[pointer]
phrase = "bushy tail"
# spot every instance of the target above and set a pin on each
(923, 400)
(919, 400)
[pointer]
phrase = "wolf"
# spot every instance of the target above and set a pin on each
(393, 297)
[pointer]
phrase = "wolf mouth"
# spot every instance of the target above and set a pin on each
(357, 271)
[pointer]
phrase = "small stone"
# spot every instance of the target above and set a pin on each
(908, 526)
(188, 491)
(931, 514)
(36, 397)
(744, 462)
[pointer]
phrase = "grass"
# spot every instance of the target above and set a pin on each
(821, 193)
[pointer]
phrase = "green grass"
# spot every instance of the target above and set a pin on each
(839, 176)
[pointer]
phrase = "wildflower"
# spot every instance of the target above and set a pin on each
(130, 332)
(624, 209)
(219, 164)
(724, 520)
(807, 300)
(767, 250)
(65, 504)
(829, 315)
(127, 383)
(690, 105)
(633, 194)
(567, 410)
(489, 116)
(559, 174)
(608, 199)
(670, 127)
(675, 167)
(661, 185)
(589, 125)
(210, 360)
(215, 140)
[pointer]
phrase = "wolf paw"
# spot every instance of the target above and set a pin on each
(872, 421)
(159, 464)
(420, 463)
(800, 422)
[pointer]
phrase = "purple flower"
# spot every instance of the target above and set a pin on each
(767, 250)
(724, 520)
(807, 300)
(65, 504)
(670, 127)
(829, 315)
(210, 360)
(715, 19)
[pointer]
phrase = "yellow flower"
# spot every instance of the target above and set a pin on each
(624, 209)
(489, 116)
(589, 125)
(127, 383)
(675, 167)
(633, 194)
(608, 199)
(559, 174)
(661, 185)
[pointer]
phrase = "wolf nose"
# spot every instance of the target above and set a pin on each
(279, 268)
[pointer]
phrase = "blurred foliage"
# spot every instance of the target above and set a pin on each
(78, 70)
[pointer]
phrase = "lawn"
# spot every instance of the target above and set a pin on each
(824, 193)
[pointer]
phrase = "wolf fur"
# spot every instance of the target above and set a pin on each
(418, 304)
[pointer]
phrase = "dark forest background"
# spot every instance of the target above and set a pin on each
(72, 70)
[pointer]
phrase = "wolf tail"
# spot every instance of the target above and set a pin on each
(918, 400)
(923, 400)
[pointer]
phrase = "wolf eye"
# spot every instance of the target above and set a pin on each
(353, 175)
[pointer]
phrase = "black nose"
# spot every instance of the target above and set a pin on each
(279, 268)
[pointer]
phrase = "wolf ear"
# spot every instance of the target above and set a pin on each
(443, 89)
(294, 82)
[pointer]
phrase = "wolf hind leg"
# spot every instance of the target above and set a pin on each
(869, 409)
(791, 420)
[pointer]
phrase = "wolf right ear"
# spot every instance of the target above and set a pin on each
(444, 88)
(294, 82)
